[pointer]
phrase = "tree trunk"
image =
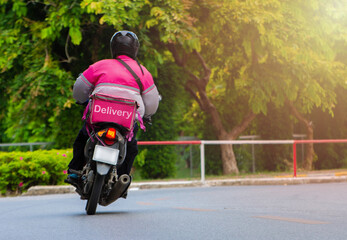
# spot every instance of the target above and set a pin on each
(308, 163)
(227, 150)
(229, 160)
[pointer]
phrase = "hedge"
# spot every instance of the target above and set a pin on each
(21, 170)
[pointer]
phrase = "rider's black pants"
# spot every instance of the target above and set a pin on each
(78, 159)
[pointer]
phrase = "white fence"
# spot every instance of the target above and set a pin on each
(202, 144)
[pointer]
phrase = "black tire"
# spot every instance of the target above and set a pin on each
(93, 200)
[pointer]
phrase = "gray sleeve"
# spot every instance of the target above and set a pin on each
(151, 101)
(82, 89)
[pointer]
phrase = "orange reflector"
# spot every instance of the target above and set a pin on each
(100, 133)
(111, 133)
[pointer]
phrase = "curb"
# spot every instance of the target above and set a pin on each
(43, 190)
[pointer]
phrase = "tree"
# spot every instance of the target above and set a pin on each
(261, 52)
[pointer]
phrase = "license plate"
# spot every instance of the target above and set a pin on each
(105, 154)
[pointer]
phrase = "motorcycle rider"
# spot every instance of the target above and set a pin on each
(109, 76)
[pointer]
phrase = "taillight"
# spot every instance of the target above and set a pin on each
(111, 136)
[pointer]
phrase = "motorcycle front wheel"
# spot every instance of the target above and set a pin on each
(93, 200)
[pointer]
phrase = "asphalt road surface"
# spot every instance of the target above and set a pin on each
(315, 211)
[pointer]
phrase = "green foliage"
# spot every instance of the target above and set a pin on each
(273, 50)
(37, 89)
(116, 13)
(21, 170)
(140, 159)
(159, 163)
(32, 105)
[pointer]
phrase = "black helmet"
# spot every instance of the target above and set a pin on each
(124, 43)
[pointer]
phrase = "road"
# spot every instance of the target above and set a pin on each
(312, 211)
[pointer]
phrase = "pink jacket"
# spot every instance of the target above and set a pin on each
(111, 77)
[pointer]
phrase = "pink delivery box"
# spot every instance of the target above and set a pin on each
(106, 108)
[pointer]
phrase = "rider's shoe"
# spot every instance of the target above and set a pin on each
(74, 180)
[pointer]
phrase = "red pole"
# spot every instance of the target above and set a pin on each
(294, 158)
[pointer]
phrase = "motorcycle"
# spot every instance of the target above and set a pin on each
(105, 150)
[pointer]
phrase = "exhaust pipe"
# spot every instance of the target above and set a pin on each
(118, 190)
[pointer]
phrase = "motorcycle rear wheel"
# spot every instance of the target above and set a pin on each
(93, 200)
